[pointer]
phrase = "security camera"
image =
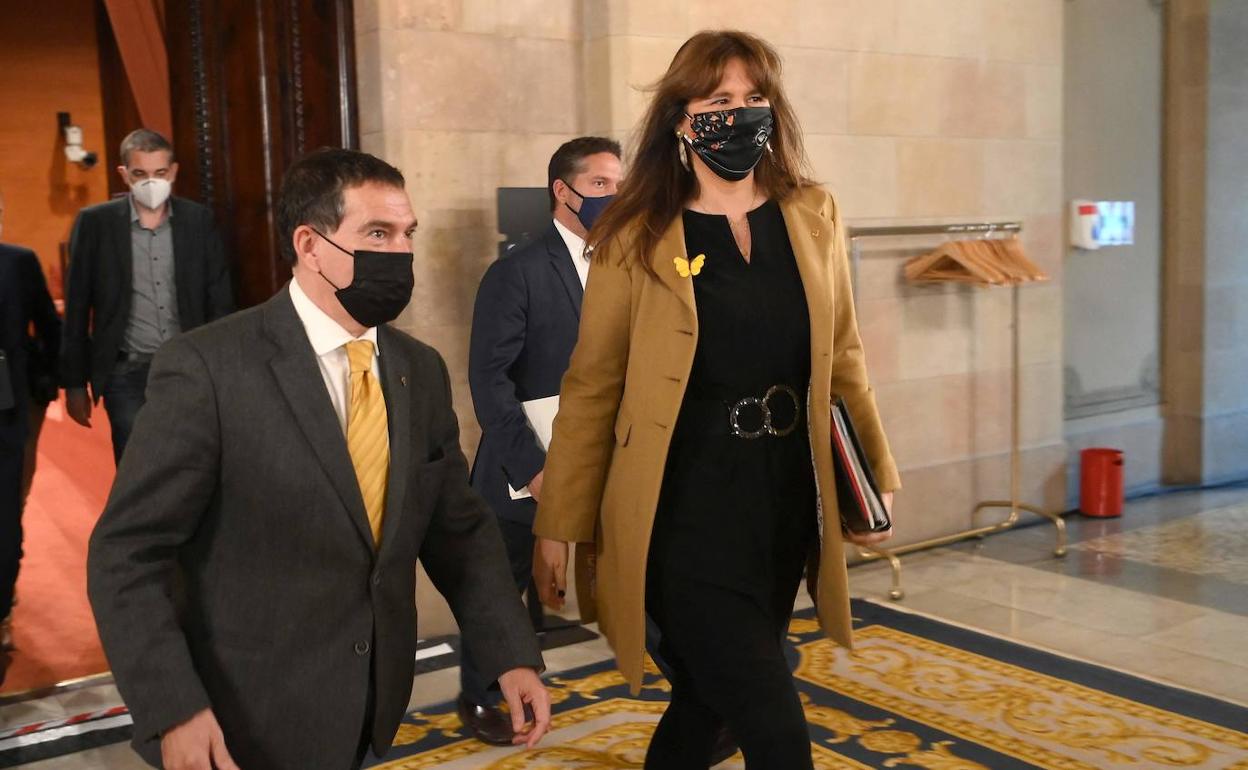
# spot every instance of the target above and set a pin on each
(74, 151)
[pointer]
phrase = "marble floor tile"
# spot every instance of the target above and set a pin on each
(434, 687)
(974, 613)
(938, 601)
(1216, 635)
(1209, 543)
(1135, 656)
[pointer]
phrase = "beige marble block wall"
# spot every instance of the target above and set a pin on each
(464, 96)
(914, 111)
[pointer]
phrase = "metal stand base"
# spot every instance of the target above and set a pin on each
(870, 553)
(897, 593)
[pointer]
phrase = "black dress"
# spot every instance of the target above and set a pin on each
(736, 516)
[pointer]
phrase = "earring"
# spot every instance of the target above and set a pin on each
(682, 151)
(769, 150)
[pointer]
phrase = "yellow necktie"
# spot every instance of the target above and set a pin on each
(368, 439)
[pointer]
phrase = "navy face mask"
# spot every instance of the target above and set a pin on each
(591, 208)
(731, 142)
(381, 287)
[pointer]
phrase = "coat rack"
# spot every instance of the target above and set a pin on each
(985, 261)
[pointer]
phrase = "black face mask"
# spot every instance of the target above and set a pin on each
(381, 288)
(731, 142)
(591, 208)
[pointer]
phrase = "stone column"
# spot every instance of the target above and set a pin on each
(1206, 277)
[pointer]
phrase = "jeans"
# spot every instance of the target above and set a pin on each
(123, 397)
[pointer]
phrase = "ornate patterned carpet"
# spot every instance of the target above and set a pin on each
(917, 693)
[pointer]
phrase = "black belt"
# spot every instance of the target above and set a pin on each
(777, 413)
(126, 356)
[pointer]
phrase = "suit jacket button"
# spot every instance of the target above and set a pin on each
(361, 648)
(377, 579)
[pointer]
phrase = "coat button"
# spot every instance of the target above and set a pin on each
(377, 579)
(361, 648)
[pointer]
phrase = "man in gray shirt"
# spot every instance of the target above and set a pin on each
(153, 312)
(143, 268)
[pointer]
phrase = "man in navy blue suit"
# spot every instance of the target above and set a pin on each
(524, 327)
(24, 304)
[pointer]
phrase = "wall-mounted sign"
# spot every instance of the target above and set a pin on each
(1094, 224)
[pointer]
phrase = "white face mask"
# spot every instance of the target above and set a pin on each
(151, 193)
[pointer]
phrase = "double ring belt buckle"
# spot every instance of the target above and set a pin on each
(763, 405)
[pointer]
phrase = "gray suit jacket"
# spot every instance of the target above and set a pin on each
(233, 566)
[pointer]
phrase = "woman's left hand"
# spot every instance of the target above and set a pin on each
(550, 571)
(872, 538)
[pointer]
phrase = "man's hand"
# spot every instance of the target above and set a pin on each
(871, 538)
(522, 687)
(78, 404)
(535, 485)
(198, 744)
(550, 571)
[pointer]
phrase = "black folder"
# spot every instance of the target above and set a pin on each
(857, 494)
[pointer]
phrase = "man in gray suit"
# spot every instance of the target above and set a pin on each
(253, 574)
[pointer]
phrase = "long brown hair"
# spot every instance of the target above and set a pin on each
(657, 187)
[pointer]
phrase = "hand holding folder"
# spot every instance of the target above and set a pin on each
(858, 497)
(540, 413)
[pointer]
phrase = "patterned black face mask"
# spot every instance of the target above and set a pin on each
(731, 142)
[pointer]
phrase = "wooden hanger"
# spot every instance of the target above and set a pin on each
(980, 262)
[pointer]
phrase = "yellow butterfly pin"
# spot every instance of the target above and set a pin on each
(686, 268)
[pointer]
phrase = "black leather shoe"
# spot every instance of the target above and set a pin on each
(488, 724)
(724, 748)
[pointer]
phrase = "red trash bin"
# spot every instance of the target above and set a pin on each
(1100, 482)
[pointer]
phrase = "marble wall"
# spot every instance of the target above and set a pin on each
(915, 111)
(465, 96)
(1114, 119)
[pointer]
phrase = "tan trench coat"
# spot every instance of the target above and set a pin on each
(621, 396)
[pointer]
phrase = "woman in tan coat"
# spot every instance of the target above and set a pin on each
(692, 447)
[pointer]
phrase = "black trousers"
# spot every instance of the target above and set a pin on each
(12, 458)
(725, 653)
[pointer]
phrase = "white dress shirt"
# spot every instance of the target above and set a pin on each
(576, 247)
(328, 340)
